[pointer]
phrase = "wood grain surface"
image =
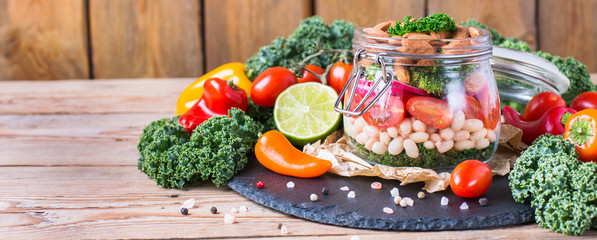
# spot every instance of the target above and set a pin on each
(68, 170)
(145, 38)
(575, 35)
(42, 40)
(367, 13)
(512, 18)
(235, 30)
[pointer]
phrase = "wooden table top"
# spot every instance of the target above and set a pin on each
(68, 169)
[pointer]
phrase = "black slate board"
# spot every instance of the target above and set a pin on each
(365, 210)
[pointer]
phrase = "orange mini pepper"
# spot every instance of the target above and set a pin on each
(234, 71)
(276, 153)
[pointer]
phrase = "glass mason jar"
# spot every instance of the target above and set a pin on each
(429, 103)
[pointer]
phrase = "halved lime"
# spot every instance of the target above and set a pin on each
(305, 113)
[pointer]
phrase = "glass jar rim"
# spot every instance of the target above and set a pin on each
(480, 46)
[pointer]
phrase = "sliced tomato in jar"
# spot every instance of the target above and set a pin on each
(387, 112)
(490, 103)
(472, 108)
(431, 111)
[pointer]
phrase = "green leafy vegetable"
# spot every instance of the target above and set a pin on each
(432, 23)
(311, 36)
(562, 189)
(216, 150)
(434, 79)
(263, 115)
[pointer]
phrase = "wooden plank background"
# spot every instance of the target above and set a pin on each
(86, 39)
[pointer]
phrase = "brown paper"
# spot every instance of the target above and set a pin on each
(344, 163)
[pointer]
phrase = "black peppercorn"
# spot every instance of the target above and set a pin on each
(213, 210)
(325, 191)
(483, 201)
(184, 211)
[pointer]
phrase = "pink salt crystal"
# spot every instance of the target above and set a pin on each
(229, 219)
(284, 230)
(376, 185)
(388, 210)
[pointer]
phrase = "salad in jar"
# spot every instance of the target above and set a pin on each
(422, 94)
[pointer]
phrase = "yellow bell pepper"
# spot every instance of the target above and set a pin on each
(234, 71)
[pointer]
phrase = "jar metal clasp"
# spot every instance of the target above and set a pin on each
(361, 108)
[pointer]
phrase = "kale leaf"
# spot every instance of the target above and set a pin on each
(562, 189)
(433, 23)
(216, 150)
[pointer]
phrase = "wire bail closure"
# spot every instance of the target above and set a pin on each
(354, 80)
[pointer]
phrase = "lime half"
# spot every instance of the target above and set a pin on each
(305, 113)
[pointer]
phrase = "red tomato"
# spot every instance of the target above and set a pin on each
(473, 108)
(490, 102)
(431, 111)
(338, 76)
(540, 103)
(471, 178)
(269, 84)
(387, 112)
(584, 100)
(308, 77)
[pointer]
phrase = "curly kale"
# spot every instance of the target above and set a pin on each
(428, 158)
(433, 23)
(216, 150)
(575, 71)
(263, 115)
(562, 189)
(434, 79)
(311, 36)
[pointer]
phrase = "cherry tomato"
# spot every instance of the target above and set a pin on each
(431, 111)
(472, 108)
(540, 103)
(276, 153)
(581, 129)
(308, 77)
(490, 102)
(584, 100)
(470, 179)
(387, 112)
(269, 84)
(338, 76)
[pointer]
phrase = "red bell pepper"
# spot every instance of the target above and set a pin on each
(549, 122)
(218, 97)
